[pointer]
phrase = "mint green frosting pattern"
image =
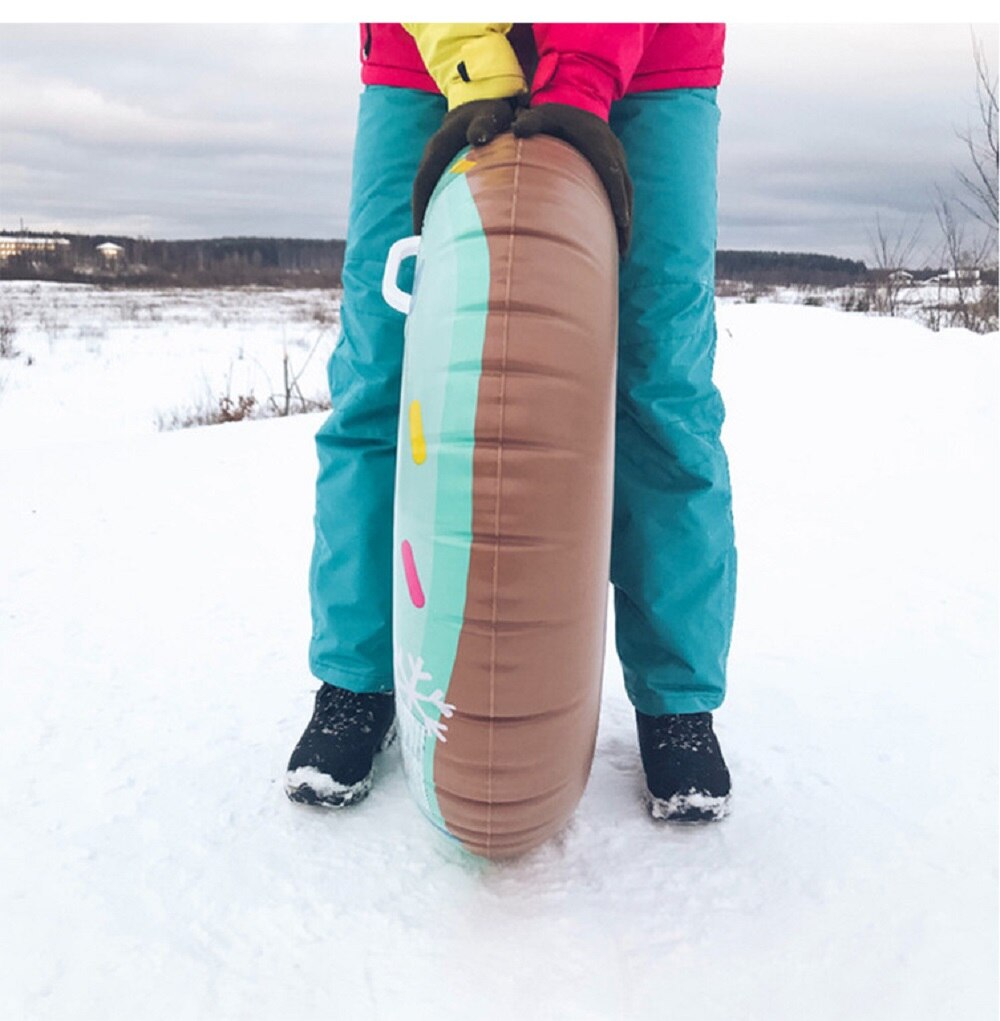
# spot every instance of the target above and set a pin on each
(442, 363)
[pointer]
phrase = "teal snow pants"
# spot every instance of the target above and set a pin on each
(673, 560)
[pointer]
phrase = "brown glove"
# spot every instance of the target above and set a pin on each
(593, 139)
(473, 123)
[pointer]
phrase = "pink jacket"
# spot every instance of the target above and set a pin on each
(585, 65)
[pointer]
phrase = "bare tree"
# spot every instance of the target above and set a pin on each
(891, 252)
(964, 300)
(282, 404)
(967, 293)
(980, 183)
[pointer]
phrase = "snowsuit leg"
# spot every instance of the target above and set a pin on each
(350, 575)
(673, 559)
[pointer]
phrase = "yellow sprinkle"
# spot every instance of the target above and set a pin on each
(417, 443)
(462, 165)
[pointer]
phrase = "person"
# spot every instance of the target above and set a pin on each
(639, 102)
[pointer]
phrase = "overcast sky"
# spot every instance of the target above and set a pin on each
(202, 130)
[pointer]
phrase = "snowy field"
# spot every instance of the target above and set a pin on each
(932, 303)
(96, 363)
(153, 632)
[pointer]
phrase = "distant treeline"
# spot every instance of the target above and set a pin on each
(785, 268)
(211, 262)
(304, 262)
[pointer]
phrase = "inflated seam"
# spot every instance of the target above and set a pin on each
(496, 512)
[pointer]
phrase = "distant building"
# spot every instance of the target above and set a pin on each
(16, 245)
(962, 275)
(111, 252)
(901, 276)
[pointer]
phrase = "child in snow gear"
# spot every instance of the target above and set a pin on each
(673, 558)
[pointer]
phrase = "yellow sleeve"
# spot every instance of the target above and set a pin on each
(469, 61)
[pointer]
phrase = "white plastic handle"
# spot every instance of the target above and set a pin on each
(394, 297)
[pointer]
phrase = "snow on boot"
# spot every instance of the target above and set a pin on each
(332, 763)
(686, 776)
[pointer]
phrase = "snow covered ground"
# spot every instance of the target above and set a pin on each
(153, 631)
(99, 363)
(932, 303)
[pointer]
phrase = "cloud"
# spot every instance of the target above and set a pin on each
(82, 115)
(248, 129)
(826, 125)
(190, 130)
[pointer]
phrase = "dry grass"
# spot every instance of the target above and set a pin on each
(8, 331)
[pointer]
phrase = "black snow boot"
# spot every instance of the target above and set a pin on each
(332, 763)
(687, 779)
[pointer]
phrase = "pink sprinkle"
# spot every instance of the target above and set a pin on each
(412, 579)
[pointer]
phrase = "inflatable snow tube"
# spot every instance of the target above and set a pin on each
(504, 476)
